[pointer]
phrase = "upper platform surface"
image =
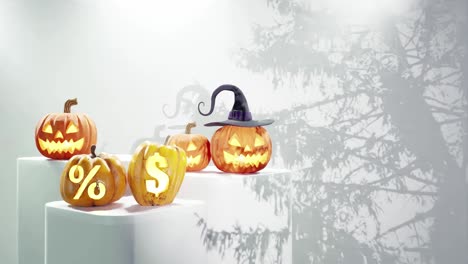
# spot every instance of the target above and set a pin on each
(209, 171)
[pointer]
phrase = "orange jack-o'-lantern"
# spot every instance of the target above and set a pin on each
(242, 145)
(241, 149)
(62, 135)
(196, 147)
(92, 180)
(156, 172)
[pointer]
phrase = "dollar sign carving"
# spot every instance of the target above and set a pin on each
(152, 166)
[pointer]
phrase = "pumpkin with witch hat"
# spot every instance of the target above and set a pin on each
(241, 145)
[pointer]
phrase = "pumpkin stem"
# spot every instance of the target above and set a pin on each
(188, 128)
(167, 139)
(68, 104)
(93, 151)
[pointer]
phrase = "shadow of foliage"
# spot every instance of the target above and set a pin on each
(248, 244)
(380, 177)
(393, 110)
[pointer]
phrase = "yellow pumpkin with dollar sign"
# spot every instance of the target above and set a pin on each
(156, 172)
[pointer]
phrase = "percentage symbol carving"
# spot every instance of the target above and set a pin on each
(155, 171)
(98, 185)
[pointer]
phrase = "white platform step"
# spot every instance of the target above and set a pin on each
(235, 201)
(123, 232)
(38, 180)
(230, 200)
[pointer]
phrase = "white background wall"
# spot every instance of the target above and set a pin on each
(124, 60)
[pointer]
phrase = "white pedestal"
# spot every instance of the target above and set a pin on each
(38, 183)
(239, 200)
(230, 199)
(123, 232)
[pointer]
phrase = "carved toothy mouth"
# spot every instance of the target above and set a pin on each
(61, 147)
(192, 161)
(251, 160)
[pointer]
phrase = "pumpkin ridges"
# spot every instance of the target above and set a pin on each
(38, 131)
(172, 163)
(178, 175)
(181, 168)
(87, 165)
(59, 122)
(64, 192)
(164, 196)
(40, 124)
(120, 176)
(246, 135)
(135, 173)
(202, 147)
(88, 126)
(151, 197)
(106, 173)
(138, 174)
(109, 174)
(72, 188)
(92, 132)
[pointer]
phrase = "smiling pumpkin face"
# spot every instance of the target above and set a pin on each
(63, 135)
(196, 147)
(241, 149)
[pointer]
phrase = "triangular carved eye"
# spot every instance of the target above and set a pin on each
(191, 146)
(259, 141)
(47, 129)
(71, 128)
(234, 141)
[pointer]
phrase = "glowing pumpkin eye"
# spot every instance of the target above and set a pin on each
(47, 129)
(234, 141)
(71, 128)
(259, 141)
(191, 146)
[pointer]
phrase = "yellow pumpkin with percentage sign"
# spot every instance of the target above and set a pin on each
(93, 180)
(156, 172)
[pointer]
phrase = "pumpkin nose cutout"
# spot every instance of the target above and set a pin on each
(191, 147)
(58, 135)
(247, 148)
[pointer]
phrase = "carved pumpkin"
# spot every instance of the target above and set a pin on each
(241, 149)
(242, 145)
(196, 147)
(156, 172)
(90, 180)
(62, 135)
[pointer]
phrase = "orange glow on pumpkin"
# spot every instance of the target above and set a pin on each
(241, 149)
(196, 147)
(93, 180)
(155, 173)
(62, 135)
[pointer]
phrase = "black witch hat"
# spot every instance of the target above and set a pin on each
(239, 115)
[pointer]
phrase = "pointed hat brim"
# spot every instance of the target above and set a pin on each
(250, 123)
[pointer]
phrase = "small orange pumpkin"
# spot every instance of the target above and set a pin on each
(62, 135)
(241, 149)
(156, 172)
(196, 147)
(93, 180)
